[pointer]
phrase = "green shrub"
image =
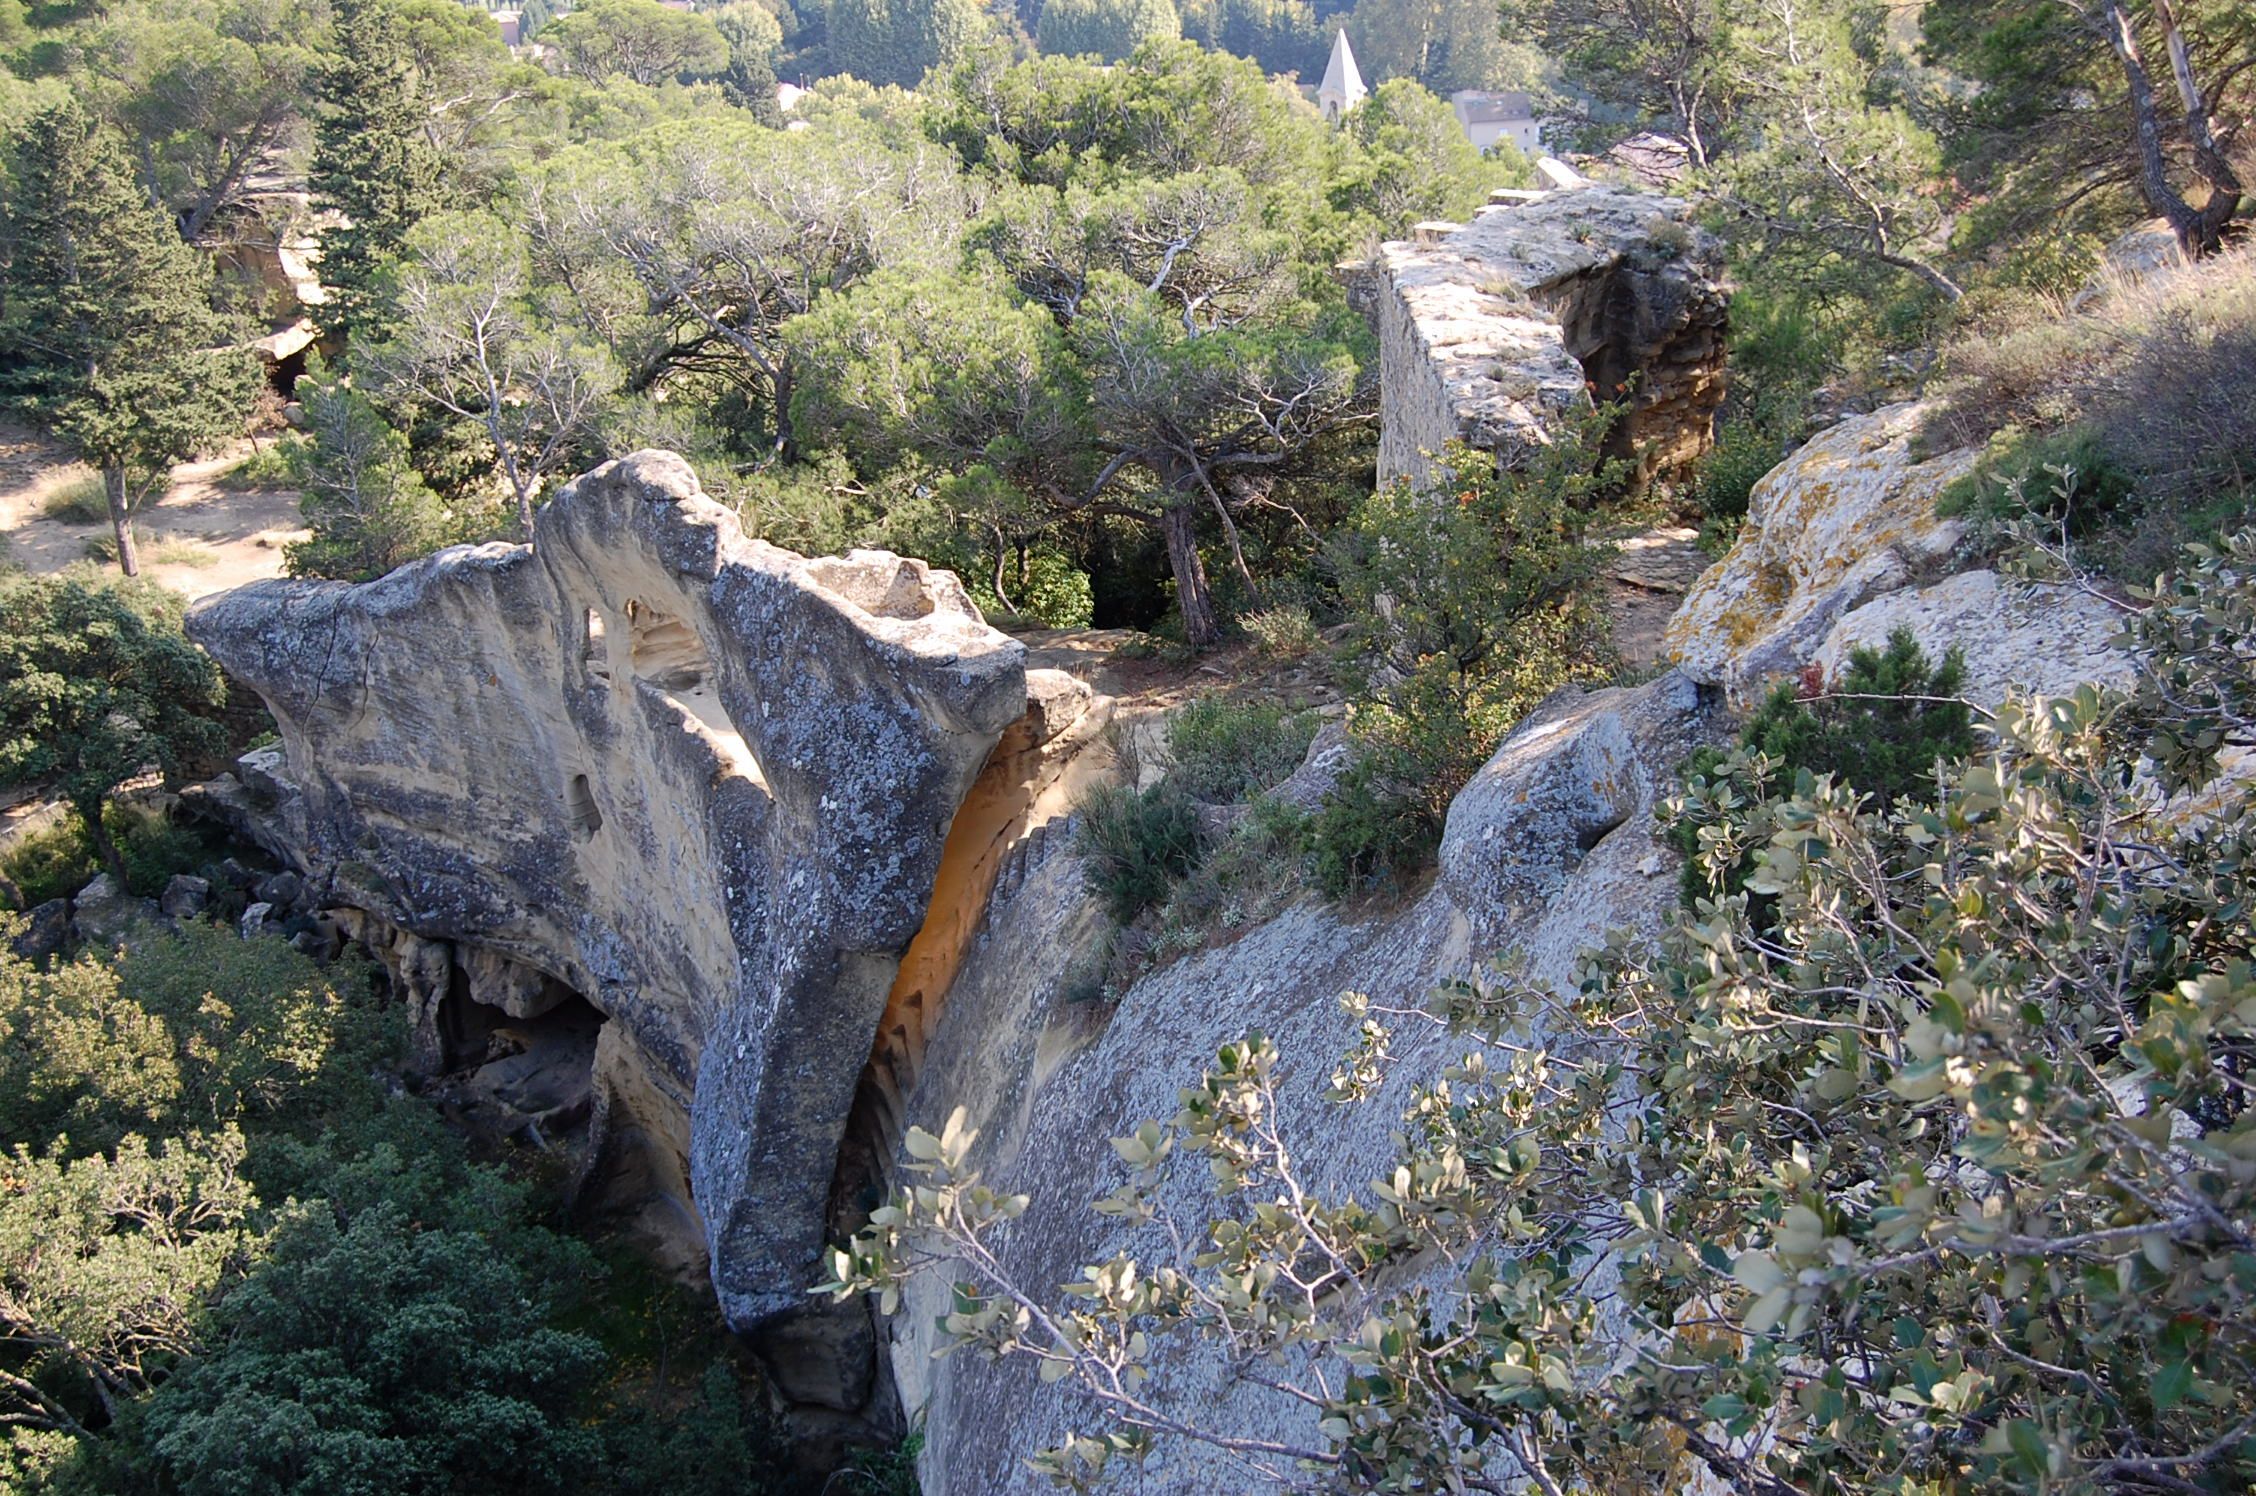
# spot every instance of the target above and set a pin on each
(882, 1472)
(1242, 879)
(1045, 589)
(1225, 750)
(1467, 605)
(59, 861)
(271, 467)
(1285, 632)
(1137, 845)
(1743, 453)
(1369, 831)
(1881, 730)
(2019, 476)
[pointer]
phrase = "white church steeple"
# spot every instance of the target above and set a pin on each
(1342, 88)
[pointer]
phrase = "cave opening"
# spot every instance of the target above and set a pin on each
(516, 1058)
(667, 656)
(1599, 322)
(595, 647)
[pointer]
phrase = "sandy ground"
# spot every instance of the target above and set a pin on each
(242, 533)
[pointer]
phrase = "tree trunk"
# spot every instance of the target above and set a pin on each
(112, 862)
(1192, 594)
(121, 521)
(2195, 237)
(787, 444)
(519, 484)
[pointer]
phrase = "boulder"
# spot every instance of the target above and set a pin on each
(824, 1356)
(520, 991)
(1329, 754)
(699, 780)
(46, 930)
(105, 916)
(185, 896)
(1579, 768)
(283, 890)
(259, 919)
(2031, 638)
(2138, 254)
(1846, 518)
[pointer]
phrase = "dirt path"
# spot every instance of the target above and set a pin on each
(1647, 580)
(225, 538)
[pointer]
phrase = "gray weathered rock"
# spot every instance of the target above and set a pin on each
(106, 916)
(46, 930)
(825, 1357)
(2032, 638)
(698, 779)
(1495, 332)
(1848, 517)
(284, 890)
(184, 896)
(1580, 767)
(259, 919)
(1329, 754)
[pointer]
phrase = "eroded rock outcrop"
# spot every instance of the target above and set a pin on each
(702, 782)
(1842, 546)
(1495, 333)
(1849, 516)
(2034, 638)
(1553, 847)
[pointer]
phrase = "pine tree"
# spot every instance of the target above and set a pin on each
(366, 506)
(898, 41)
(110, 339)
(373, 163)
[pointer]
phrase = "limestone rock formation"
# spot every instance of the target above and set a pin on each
(1491, 333)
(699, 781)
(1842, 546)
(1849, 516)
(2036, 639)
(1049, 1075)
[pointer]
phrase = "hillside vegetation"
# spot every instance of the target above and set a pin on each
(1915, 1156)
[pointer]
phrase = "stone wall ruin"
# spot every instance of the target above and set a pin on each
(1499, 332)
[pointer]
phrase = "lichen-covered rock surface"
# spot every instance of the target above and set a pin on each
(1553, 847)
(1849, 516)
(699, 780)
(1495, 333)
(1842, 546)
(2034, 638)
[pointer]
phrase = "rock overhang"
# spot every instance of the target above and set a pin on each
(700, 779)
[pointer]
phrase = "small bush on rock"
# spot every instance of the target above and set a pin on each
(1469, 604)
(1225, 750)
(1881, 731)
(1136, 845)
(1285, 632)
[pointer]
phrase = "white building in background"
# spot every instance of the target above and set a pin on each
(1488, 117)
(1342, 88)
